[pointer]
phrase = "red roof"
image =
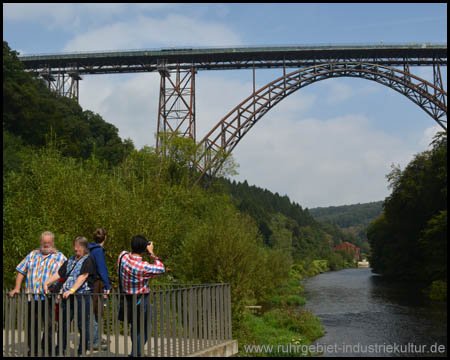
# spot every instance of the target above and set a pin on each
(346, 246)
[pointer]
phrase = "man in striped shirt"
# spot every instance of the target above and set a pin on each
(134, 275)
(38, 266)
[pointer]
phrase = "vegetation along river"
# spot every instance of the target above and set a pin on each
(364, 314)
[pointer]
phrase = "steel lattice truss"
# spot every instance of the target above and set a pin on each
(224, 137)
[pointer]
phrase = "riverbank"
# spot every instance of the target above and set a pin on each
(283, 328)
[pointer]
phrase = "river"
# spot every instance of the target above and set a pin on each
(365, 315)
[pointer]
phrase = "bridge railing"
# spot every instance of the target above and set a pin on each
(179, 320)
(189, 49)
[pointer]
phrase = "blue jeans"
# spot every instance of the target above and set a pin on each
(83, 332)
(140, 317)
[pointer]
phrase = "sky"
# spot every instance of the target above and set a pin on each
(329, 144)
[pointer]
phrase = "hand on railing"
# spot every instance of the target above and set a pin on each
(68, 293)
(106, 293)
(14, 292)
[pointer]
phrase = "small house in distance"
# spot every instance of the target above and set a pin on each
(348, 247)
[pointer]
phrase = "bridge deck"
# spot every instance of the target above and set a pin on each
(234, 58)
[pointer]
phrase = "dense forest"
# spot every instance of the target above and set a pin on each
(32, 114)
(287, 225)
(409, 240)
(66, 170)
(353, 219)
(348, 215)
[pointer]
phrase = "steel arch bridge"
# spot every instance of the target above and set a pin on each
(227, 133)
(386, 64)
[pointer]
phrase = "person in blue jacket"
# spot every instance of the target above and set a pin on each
(101, 284)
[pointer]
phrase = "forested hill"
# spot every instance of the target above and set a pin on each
(353, 219)
(33, 115)
(348, 215)
(276, 214)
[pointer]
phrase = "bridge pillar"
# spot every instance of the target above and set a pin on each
(176, 112)
(65, 83)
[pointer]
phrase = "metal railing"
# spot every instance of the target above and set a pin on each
(277, 47)
(179, 320)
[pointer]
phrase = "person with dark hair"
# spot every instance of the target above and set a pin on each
(101, 284)
(134, 274)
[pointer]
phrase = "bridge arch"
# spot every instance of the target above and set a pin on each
(226, 134)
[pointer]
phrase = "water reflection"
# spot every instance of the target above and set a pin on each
(361, 309)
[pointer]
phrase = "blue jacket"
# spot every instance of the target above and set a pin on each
(98, 253)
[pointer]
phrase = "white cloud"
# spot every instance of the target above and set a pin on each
(339, 92)
(146, 31)
(62, 16)
(320, 163)
(427, 136)
(130, 102)
(73, 17)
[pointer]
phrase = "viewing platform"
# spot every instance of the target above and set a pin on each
(183, 320)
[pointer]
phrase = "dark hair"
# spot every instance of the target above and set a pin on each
(139, 244)
(99, 235)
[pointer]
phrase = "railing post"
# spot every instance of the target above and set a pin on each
(180, 316)
(90, 297)
(13, 325)
(134, 326)
(83, 310)
(32, 327)
(125, 323)
(109, 327)
(7, 316)
(174, 323)
(230, 326)
(205, 306)
(149, 324)
(142, 323)
(53, 309)
(209, 319)
(20, 324)
(167, 296)
(219, 288)
(161, 321)
(67, 303)
(39, 332)
(213, 315)
(185, 321)
(115, 305)
(99, 320)
(46, 332)
(155, 322)
(60, 328)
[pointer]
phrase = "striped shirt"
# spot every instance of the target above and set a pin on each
(135, 273)
(38, 268)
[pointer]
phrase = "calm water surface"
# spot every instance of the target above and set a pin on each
(365, 315)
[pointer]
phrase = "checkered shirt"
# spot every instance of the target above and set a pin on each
(38, 268)
(135, 273)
